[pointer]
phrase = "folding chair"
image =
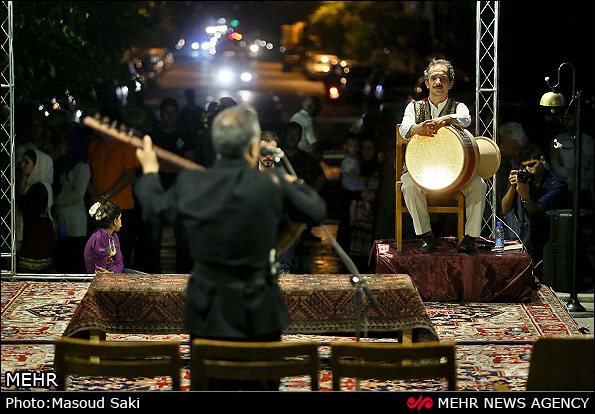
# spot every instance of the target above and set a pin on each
(253, 361)
(386, 361)
(562, 363)
(117, 359)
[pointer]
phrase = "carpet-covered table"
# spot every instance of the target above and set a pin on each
(318, 304)
(449, 276)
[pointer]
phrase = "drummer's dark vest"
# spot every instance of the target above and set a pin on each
(423, 112)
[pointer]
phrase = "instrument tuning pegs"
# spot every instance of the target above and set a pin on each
(97, 116)
(105, 120)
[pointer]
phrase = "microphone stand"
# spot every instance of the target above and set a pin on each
(574, 304)
(356, 279)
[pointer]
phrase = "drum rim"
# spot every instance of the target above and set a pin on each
(497, 152)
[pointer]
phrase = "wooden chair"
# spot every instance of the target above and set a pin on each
(117, 359)
(562, 363)
(253, 361)
(393, 361)
(458, 209)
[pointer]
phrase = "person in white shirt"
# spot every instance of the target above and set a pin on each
(425, 117)
(72, 176)
(311, 108)
(562, 162)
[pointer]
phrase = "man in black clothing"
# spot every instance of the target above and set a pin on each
(191, 114)
(232, 212)
(171, 136)
(205, 152)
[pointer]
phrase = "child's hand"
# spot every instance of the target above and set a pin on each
(102, 270)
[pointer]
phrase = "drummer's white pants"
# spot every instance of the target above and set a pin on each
(416, 202)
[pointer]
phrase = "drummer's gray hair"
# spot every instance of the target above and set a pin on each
(234, 130)
(434, 62)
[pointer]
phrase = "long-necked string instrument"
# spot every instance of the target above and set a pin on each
(289, 230)
(122, 133)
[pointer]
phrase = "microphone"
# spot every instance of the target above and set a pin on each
(277, 152)
(278, 155)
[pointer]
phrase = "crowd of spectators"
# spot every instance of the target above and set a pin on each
(65, 168)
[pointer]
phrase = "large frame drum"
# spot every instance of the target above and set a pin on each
(443, 162)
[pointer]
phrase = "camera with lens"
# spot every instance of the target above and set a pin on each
(523, 176)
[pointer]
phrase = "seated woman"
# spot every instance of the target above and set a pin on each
(102, 251)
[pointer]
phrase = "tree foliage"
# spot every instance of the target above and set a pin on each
(414, 30)
(354, 28)
(65, 46)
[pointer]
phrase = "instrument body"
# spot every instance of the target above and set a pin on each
(489, 157)
(443, 162)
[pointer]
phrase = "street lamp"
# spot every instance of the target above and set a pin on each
(554, 99)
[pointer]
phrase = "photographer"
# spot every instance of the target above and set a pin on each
(539, 190)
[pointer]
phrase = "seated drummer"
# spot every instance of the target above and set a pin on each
(425, 117)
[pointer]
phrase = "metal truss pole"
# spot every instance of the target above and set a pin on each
(486, 102)
(7, 166)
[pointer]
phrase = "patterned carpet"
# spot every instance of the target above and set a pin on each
(493, 339)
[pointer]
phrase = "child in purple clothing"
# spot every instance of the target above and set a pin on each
(102, 251)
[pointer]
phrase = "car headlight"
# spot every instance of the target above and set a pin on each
(225, 76)
(246, 76)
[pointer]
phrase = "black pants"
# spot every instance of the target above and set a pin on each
(127, 236)
(215, 384)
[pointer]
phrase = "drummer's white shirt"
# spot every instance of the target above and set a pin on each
(462, 115)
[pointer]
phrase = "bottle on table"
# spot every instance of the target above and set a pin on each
(499, 238)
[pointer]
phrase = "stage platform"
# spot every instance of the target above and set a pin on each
(321, 304)
(449, 276)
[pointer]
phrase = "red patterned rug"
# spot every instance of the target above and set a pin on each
(493, 339)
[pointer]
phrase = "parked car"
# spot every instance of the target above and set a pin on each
(347, 82)
(293, 58)
(389, 86)
(318, 65)
(149, 62)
